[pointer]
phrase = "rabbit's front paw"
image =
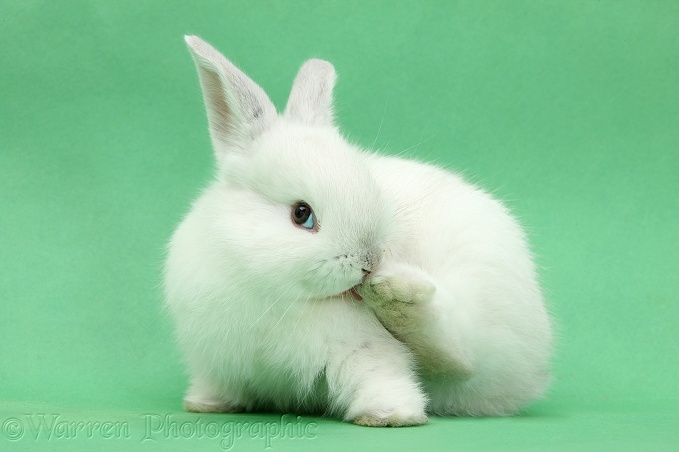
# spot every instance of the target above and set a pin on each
(202, 398)
(211, 406)
(396, 294)
(394, 420)
(394, 403)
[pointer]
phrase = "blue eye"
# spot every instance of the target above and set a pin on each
(309, 223)
(303, 216)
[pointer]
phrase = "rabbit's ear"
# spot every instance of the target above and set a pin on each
(237, 108)
(311, 97)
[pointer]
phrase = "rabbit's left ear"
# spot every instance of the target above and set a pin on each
(238, 110)
(311, 97)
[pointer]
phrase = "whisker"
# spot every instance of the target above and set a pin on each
(273, 328)
(384, 112)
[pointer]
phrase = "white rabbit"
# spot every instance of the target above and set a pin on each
(313, 276)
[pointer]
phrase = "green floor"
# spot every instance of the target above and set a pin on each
(567, 110)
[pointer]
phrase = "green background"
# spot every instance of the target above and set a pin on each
(568, 111)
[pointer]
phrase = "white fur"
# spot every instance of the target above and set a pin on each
(452, 320)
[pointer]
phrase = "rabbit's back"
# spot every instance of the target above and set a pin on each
(474, 248)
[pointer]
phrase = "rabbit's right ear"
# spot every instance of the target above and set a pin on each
(237, 108)
(311, 96)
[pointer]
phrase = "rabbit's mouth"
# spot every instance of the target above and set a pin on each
(353, 293)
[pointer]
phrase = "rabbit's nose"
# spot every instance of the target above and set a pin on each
(372, 259)
(365, 271)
